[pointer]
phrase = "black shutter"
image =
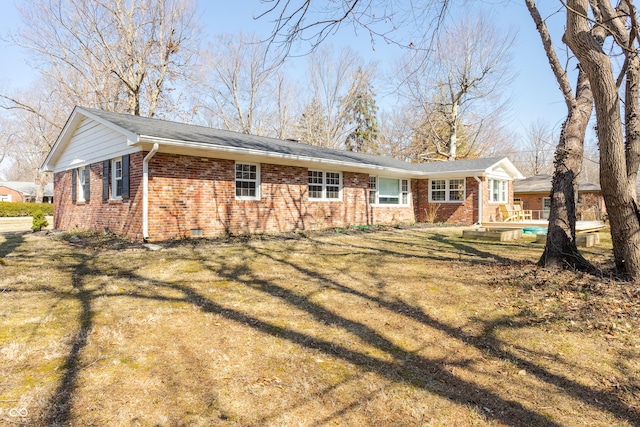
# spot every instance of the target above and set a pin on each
(125, 176)
(74, 183)
(87, 184)
(105, 179)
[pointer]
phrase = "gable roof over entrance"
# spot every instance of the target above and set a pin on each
(185, 139)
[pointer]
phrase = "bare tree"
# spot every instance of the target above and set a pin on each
(536, 150)
(396, 132)
(332, 79)
(588, 23)
(31, 126)
(458, 87)
(243, 89)
(312, 22)
(117, 55)
(561, 249)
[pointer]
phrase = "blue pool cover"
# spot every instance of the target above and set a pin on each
(534, 230)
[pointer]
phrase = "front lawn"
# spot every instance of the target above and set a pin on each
(365, 328)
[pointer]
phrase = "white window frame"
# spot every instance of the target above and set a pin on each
(546, 207)
(5, 197)
(255, 181)
(445, 186)
(325, 186)
(115, 178)
(503, 190)
(404, 191)
(80, 181)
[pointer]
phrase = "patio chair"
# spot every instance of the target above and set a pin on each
(522, 213)
(508, 214)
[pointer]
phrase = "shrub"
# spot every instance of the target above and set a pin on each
(8, 209)
(39, 221)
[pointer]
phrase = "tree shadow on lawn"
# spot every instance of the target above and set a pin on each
(486, 342)
(12, 241)
(58, 410)
(425, 250)
(405, 367)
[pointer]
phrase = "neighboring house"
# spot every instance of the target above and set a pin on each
(535, 195)
(156, 180)
(19, 191)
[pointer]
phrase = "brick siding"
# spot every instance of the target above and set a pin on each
(117, 216)
(16, 196)
(191, 196)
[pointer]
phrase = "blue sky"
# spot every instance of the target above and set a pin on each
(534, 93)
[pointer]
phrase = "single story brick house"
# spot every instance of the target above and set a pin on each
(24, 191)
(535, 194)
(155, 180)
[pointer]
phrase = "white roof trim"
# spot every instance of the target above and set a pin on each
(272, 155)
(134, 139)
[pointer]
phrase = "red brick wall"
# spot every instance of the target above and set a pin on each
(188, 193)
(16, 196)
(197, 195)
(460, 213)
(117, 216)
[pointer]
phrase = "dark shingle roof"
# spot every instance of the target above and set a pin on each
(175, 131)
(156, 128)
(542, 184)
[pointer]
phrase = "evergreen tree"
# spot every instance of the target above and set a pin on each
(362, 111)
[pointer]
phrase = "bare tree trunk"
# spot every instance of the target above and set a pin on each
(561, 249)
(616, 188)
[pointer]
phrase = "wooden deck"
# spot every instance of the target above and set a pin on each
(581, 226)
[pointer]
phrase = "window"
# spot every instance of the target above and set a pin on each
(498, 190)
(5, 197)
(80, 188)
(116, 178)
(373, 189)
(80, 184)
(439, 190)
(546, 207)
(456, 190)
(447, 190)
(247, 181)
(324, 185)
(388, 191)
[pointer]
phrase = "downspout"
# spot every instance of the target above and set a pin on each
(145, 191)
(480, 199)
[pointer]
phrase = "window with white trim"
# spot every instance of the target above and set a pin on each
(116, 178)
(247, 181)
(447, 190)
(373, 190)
(324, 185)
(80, 185)
(5, 197)
(388, 191)
(498, 190)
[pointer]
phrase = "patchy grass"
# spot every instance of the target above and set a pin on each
(389, 327)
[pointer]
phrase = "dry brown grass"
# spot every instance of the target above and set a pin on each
(385, 328)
